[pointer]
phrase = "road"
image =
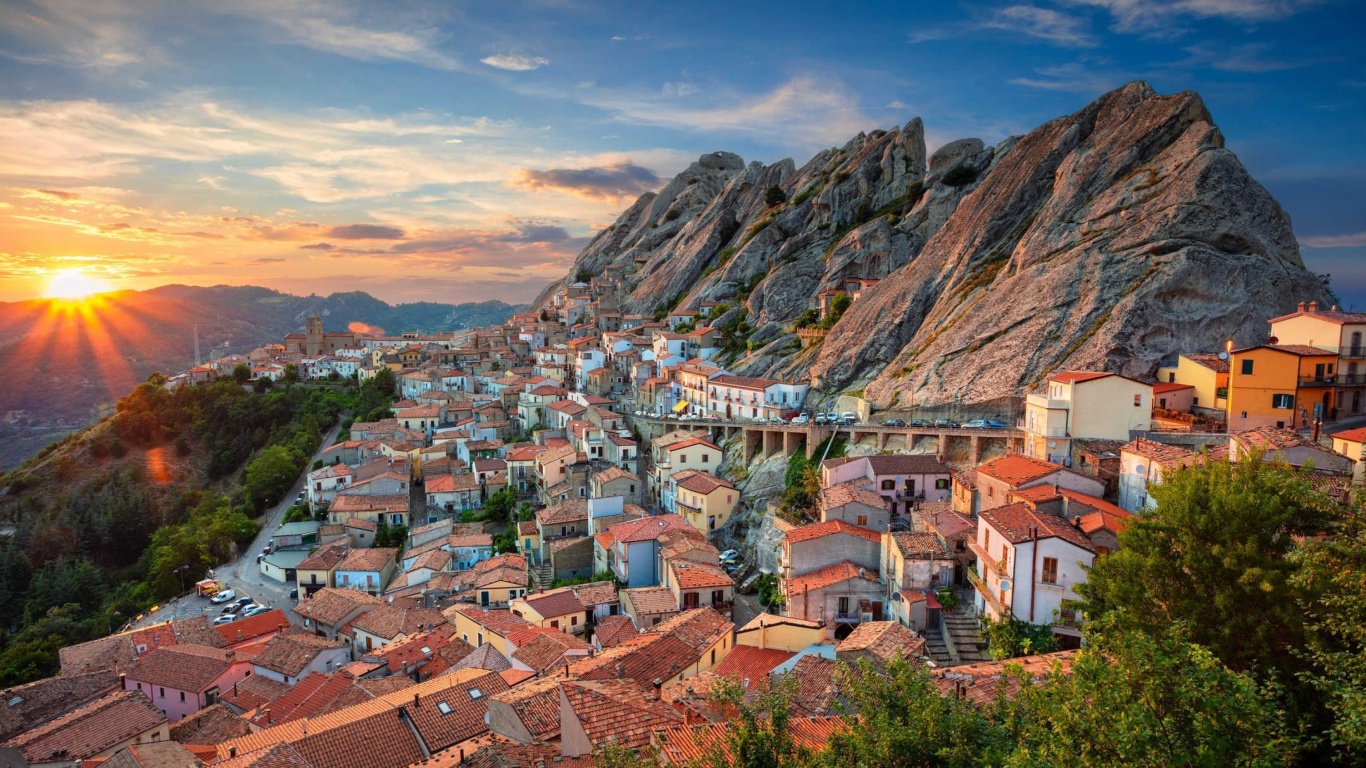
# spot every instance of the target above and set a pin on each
(245, 574)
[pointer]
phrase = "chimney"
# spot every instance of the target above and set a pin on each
(1313, 306)
(621, 671)
(232, 752)
(1301, 306)
(658, 685)
(417, 700)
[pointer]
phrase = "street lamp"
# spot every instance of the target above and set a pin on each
(180, 574)
(110, 620)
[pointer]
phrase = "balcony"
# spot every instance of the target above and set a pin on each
(1318, 381)
(983, 590)
(982, 556)
(1352, 351)
(1044, 401)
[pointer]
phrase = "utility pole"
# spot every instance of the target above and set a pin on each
(196, 345)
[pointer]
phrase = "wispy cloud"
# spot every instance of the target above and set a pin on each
(515, 62)
(365, 232)
(1035, 23)
(378, 33)
(1353, 240)
(1069, 77)
(1162, 18)
(1249, 57)
(99, 37)
(612, 182)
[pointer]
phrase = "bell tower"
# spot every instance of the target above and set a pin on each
(313, 330)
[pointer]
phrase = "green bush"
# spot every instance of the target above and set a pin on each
(960, 176)
(774, 196)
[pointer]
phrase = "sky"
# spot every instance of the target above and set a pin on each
(464, 151)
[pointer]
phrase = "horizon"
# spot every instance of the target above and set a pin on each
(435, 153)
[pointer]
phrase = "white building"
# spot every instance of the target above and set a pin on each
(1084, 404)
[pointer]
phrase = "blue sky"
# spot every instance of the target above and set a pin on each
(459, 151)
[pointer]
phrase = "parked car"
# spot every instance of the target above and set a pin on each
(975, 424)
(225, 619)
(950, 423)
(244, 601)
(848, 417)
(893, 423)
(224, 596)
(832, 418)
(293, 594)
(920, 423)
(253, 610)
(802, 419)
(820, 418)
(996, 424)
(230, 608)
(730, 554)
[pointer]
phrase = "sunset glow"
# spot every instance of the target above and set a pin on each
(73, 284)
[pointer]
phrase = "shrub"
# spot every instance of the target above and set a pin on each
(673, 213)
(774, 196)
(960, 175)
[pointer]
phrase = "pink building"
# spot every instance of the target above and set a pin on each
(183, 679)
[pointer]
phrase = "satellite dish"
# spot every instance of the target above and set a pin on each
(1273, 340)
(1223, 355)
(1005, 585)
(1052, 443)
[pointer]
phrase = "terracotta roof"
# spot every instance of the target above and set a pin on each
(537, 706)
(368, 560)
(1170, 386)
(744, 382)
(249, 694)
(699, 628)
(389, 621)
(918, 545)
(1017, 469)
(569, 511)
(362, 502)
(273, 756)
(816, 685)
(1272, 439)
(90, 729)
(646, 528)
(1357, 435)
(830, 528)
(253, 627)
(770, 620)
(464, 481)
(983, 682)
(559, 602)
(948, 523)
(690, 443)
(325, 559)
(906, 464)
(26, 706)
(1017, 523)
(650, 600)
(704, 483)
(361, 524)
(122, 650)
(164, 754)
(850, 493)
(688, 745)
(547, 651)
(1168, 456)
(887, 640)
(751, 665)
(1106, 520)
(182, 667)
(613, 630)
(617, 710)
(613, 473)
(485, 657)
(1331, 315)
(290, 653)
(330, 606)
(497, 620)
(827, 576)
(691, 575)
(1072, 377)
(596, 592)
(214, 723)
(1037, 493)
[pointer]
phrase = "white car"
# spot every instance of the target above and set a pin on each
(253, 610)
(224, 596)
(228, 619)
(730, 554)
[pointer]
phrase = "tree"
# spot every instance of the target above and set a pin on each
(1010, 638)
(241, 373)
(269, 476)
(774, 195)
(1215, 557)
(291, 374)
(499, 506)
(759, 734)
(1135, 699)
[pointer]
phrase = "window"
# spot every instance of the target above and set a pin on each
(682, 458)
(889, 485)
(713, 657)
(863, 520)
(1247, 368)
(1050, 570)
(1282, 401)
(162, 693)
(479, 639)
(706, 457)
(182, 695)
(942, 484)
(554, 623)
(1138, 401)
(843, 606)
(573, 621)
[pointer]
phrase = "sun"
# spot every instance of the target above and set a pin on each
(73, 284)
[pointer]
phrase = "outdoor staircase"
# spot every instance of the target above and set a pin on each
(963, 632)
(543, 575)
(934, 643)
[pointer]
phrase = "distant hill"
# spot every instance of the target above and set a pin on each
(64, 368)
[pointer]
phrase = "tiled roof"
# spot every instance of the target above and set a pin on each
(253, 627)
(249, 694)
(390, 621)
(816, 685)
(330, 606)
(1357, 435)
(164, 754)
(906, 464)
(1092, 522)
(559, 602)
(90, 729)
(373, 560)
(325, 559)
(547, 651)
(704, 483)
(617, 710)
(1168, 456)
(214, 723)
(503, 575)
(537, 706)
(497, 620)
(750, 665)
(182, 667)
(918, 545)
(688, 745)
(1212, 362)
(830, 528)
(699, 628)
(597, 592)
(290, 653)
(362, 502)
(484, 657)
(1331, 315)
(1272, 439)
(273, 756)
(850, 493)
(361, 524)
(770, 620)
(1072, 377)
(29, 705)
(985, 681)
(887, 640)
(744, 382)
(569, 511)
(121, 650)
(613, 630)
(646, 528)
(948, 523)
(1161, 388)
(690, 575)
(691, 442)
(613, 473)
(650, 600)
(837, 573)
(1017, 469)
(1018, 523)
(464, 481)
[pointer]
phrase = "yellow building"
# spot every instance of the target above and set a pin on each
(1208, 374)
(1336, 331)
(783, 633)
(1350, 443)
(1279, 385)
(1084, 404)
(557, 609)
(478, 626)
(704, 500)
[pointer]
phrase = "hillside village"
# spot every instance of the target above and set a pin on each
(648, 562)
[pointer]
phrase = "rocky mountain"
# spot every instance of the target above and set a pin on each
(64, 366)
(1115, 238)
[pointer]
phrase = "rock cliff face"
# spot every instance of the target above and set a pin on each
(1112, 238)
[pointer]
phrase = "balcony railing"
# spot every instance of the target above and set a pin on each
(1352, 351)
(985, 557)
(1319, 381)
